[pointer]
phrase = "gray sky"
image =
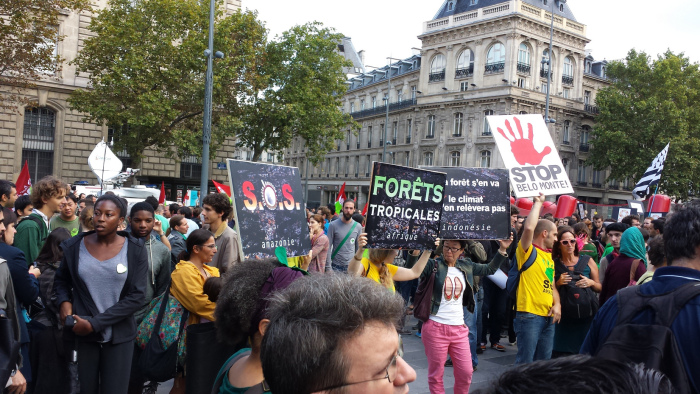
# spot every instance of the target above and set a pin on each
(389, 28)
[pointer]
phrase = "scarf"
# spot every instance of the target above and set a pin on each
(632, 244)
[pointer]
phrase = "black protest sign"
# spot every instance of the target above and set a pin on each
(404, 207)
(477, 203)
(269, 211)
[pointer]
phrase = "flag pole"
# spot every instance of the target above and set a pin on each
(653, 200)
(104, 159)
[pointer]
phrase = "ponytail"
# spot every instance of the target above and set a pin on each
(378, 256)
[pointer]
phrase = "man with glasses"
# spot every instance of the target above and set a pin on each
(337, 331)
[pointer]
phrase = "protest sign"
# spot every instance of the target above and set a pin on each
(619, 213)
(405, 205)
(476, 205)
(529, 154)
(268, 200)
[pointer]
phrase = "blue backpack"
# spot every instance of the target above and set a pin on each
(514, 275)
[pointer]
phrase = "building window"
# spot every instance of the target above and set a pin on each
(524, 59)
(567, 77)
(428, 158)
(347, 141)
(399, 95)
(431, 127)
(369, 165)
(357, 166)
(362, 105)
(457, 131)
(38, 141)
(544, 2)
(581, 172)
(369, 136)
(352, 107)
(454, 159)
(407, 158)
(413, 92)
(588, 67)
(522, 113)
(567, 93)
(465, 64)
(395, 133)
(567, 127)
(522, 83)
(392, 157)
(496, 58)
(587, 97)
(485, 159)
(374, 102)
(561, 7)
(337, 166)
(545, 87)
(382, 133)
(597, 178)
(437, 68)
(190, 167)
(585, 135)
(409, 130)
(463, 86)
(487, 128)
(546, 65)
(450, 6)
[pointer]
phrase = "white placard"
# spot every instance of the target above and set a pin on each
(529, 154)
(499, 278)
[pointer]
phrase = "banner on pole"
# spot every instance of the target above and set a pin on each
(529, 153)
(476, 205)
(268, 200)
(405, 205)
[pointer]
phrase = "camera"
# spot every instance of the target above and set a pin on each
(70, 322)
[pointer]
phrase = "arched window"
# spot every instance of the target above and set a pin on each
(454, 158)
(457, 131)
(524, 59)
(465, 64)
(437, 68)
(450, 6)
(38, 145)
(428, 158)
(568, 72)
(430, 132)
(496, 58)
(485, 159)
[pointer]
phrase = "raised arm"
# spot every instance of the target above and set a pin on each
(404, 274)
(355, 266)
(531, 222)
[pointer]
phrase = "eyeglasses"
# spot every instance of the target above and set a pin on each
(212, 246)
(391, 371)
(567, 242)
(452, 250)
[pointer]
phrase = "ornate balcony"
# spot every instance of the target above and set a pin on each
(567, 80)
(437, 77)
(493, 68)
(523, 68)
(465, 72)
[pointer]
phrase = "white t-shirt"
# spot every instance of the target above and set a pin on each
(451, 310)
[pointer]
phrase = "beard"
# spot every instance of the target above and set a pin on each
(347, 217)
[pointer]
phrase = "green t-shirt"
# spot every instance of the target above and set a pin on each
(165, 223)
(73, 226)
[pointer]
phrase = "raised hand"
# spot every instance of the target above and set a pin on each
(521, 144)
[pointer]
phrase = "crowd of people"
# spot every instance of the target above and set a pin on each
(89, 283)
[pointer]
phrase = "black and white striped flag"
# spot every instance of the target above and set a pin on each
(651, 176)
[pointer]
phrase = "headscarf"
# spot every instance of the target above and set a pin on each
(632, 244)
(280, 278)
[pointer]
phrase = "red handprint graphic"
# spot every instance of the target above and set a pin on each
(521, 144)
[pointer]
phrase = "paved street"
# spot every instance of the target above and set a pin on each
(491, 364)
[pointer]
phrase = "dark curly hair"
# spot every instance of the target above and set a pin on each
(238, 299)
(220, 203)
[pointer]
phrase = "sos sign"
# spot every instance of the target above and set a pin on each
(529, 154)
(268, 197)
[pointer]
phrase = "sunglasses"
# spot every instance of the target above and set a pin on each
(568, 242)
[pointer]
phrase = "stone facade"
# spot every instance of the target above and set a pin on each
(64, 142)
(501, 75)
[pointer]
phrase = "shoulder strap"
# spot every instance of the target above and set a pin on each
(530, 260)
(259, 388)
(630, 302)
(31, 217)
(633, 269)
(224, 371)
(340, 245)
(582, 262)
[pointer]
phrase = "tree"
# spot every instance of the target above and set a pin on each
(301, 95)
(147, 65)
(28, 37)
(649, 104)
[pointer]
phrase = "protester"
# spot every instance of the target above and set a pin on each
(197, 215)
(241, 315)
(537, 305)
(597, 227)
(46, 347)
(657, 259)
(188, 284)
(572, 265)
(631, 220)
(86, 216)
(23, 206)
(681, 243)
(319, 244)
(613, 235)
(48, 196)
(178, 229)
(327, 216)
(67, 217)
(173, 208)
(217, 208)
(158, 213)
(583, 242)
(647, 223)
(445, 331)
(100, 284)
(163, 211)
(25, 283)
(342, 237)
(622, 272)
(657, 227)
(349, 339)
(8, 194)
(191, 225)
(580, 375)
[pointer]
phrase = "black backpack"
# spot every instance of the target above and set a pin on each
(577, 303)
(652, 344)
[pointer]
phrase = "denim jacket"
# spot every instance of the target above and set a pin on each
(468, 268)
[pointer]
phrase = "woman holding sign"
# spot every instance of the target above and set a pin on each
(378, 266)
(445, 332)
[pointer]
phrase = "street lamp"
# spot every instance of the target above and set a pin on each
(206, 127)
(388, 96)
(548, 61)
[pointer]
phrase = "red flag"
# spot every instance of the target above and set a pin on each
(340, 200)
(221, 188)
(364, 210)
(24, 182)
(161, 198)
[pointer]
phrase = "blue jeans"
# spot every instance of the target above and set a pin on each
(535, 336)
(470, 321)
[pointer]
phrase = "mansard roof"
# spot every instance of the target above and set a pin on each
(460, 6)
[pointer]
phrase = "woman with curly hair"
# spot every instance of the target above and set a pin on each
(241, 313)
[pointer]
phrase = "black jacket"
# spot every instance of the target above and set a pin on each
(69, 287)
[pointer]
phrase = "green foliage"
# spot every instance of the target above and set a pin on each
(28, 36)
(649, 104)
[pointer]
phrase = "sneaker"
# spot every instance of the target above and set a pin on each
(513, 343)
(405, 332)
(448, 363)
(418, 334)
(499, 347)
(474, 368)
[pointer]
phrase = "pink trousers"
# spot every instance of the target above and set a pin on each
(439, 340)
